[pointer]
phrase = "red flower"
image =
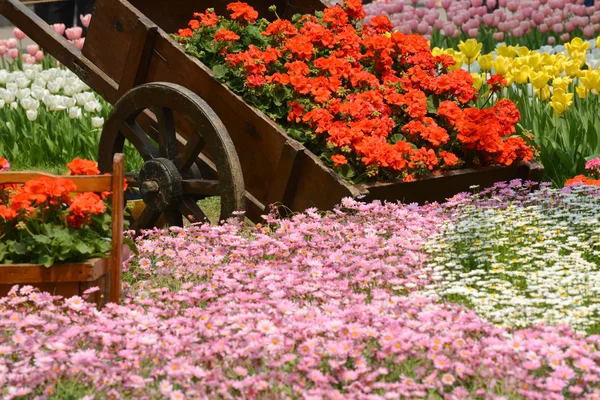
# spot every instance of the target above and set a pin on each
(242, 12)
(450, 159)
(84, 205)
(339, 159)
(280, 27)
(496, 82)
(81, 166)
(381, 24)
(185, 33)
(225, 35)
(208, 18)
(194, 24)
(354, 9)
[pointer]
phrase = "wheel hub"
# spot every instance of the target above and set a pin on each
(160, 184)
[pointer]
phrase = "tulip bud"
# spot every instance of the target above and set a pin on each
(32, 115)
(32, 49)
(75, 112)
(59, 28)
(85, 19)
(18, 34)
(39, 56)
(74, 33)
(11, 43)
(97, 122)
(13, 53)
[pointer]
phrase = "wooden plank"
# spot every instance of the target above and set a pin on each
(138, 57)
(99, 183)
(284, 183)
(89, 270)
(116, 256)
(439, 187)
(55, 44)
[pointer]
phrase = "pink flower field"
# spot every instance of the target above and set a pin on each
(319, 306)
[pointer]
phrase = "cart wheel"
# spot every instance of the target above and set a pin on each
(170, 181)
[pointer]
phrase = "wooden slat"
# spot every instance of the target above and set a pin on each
(32, 274)
(116, 256)
(284, 182)
(96, 183)
(138, 57)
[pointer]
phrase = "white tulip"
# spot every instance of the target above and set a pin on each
(97, 122)
(74, 112)
(53, 87)
(69, 101)
(32, 115)
(23, 93)
(30, 73)
(2, 103)
(91, 106)
(30, 103)
(11, 86)
(22, 82)
(3, 76)
(14, 105)
(38, 92)
(7, 95)
(40, 81)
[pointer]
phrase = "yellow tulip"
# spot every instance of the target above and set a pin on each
(478, 80)
(560, 101)
(561, 83)
(522, 74)
(591, 79)
(486, 62)
(506, 51)
(579, 56)
(387, 34)
(551, 70)
(471, 49)
(534, 60)
(543, 93)
(572, 68)
(522, 51)
(501, 65)
(581, 91)
(539, 80)
(577, 45)
(509, 78)
(598, 42)
(460, 60)
(436, 51)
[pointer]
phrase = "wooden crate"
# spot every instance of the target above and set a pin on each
(74, 279)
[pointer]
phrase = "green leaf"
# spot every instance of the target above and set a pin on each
(397, 138)
(131, 245)
(46, 260)
(347, 171)
(83, 248)
(296, 134)
(220, 71)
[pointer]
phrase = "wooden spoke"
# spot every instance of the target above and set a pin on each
(193, 147)
(191, 210)
(140, 140)
(173, 216)
(146, 220)
(166, 128)
(205, 187)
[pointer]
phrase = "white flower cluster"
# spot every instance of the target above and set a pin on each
(57, 89)
(523, 264)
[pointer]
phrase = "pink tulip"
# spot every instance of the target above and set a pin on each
(565, 37)
(3, 50)
(473, 33)
(59, 28)
(85, 19)
(13, 53)
(449, 29)
(570, 26)
(427, 36)
(551, 41)
(32, 49)
(544, 28)
(3, 42)
(498, 36)
(543, 2)
(490, 4)
(512, 5)
(39, 56)
(595, 18)
(29, 59)
(517, 32)
(74, 32)
(456, 34)
(500, 14)
(420, 12)
(79, 43)
(588, 31)
(414, 1)
(18, 34)
(430, 3)
(422, 28)
(11, 43)
(503, 3)
(503, 26)
(439, 24)
(526, 13)
(446, 4)
(476, 3)
(431, 19)
(557, 28)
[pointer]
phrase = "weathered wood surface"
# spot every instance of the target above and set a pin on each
(66, 279)
(439, 187)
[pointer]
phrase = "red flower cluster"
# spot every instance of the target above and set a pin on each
(44, 194)
(583, 180)
(379, 103)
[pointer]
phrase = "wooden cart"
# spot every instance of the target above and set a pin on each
(210, 143)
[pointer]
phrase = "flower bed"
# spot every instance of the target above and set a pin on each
(319, 306)
(373, 106)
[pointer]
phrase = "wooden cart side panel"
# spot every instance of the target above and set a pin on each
(432, 188)
(109, 37)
